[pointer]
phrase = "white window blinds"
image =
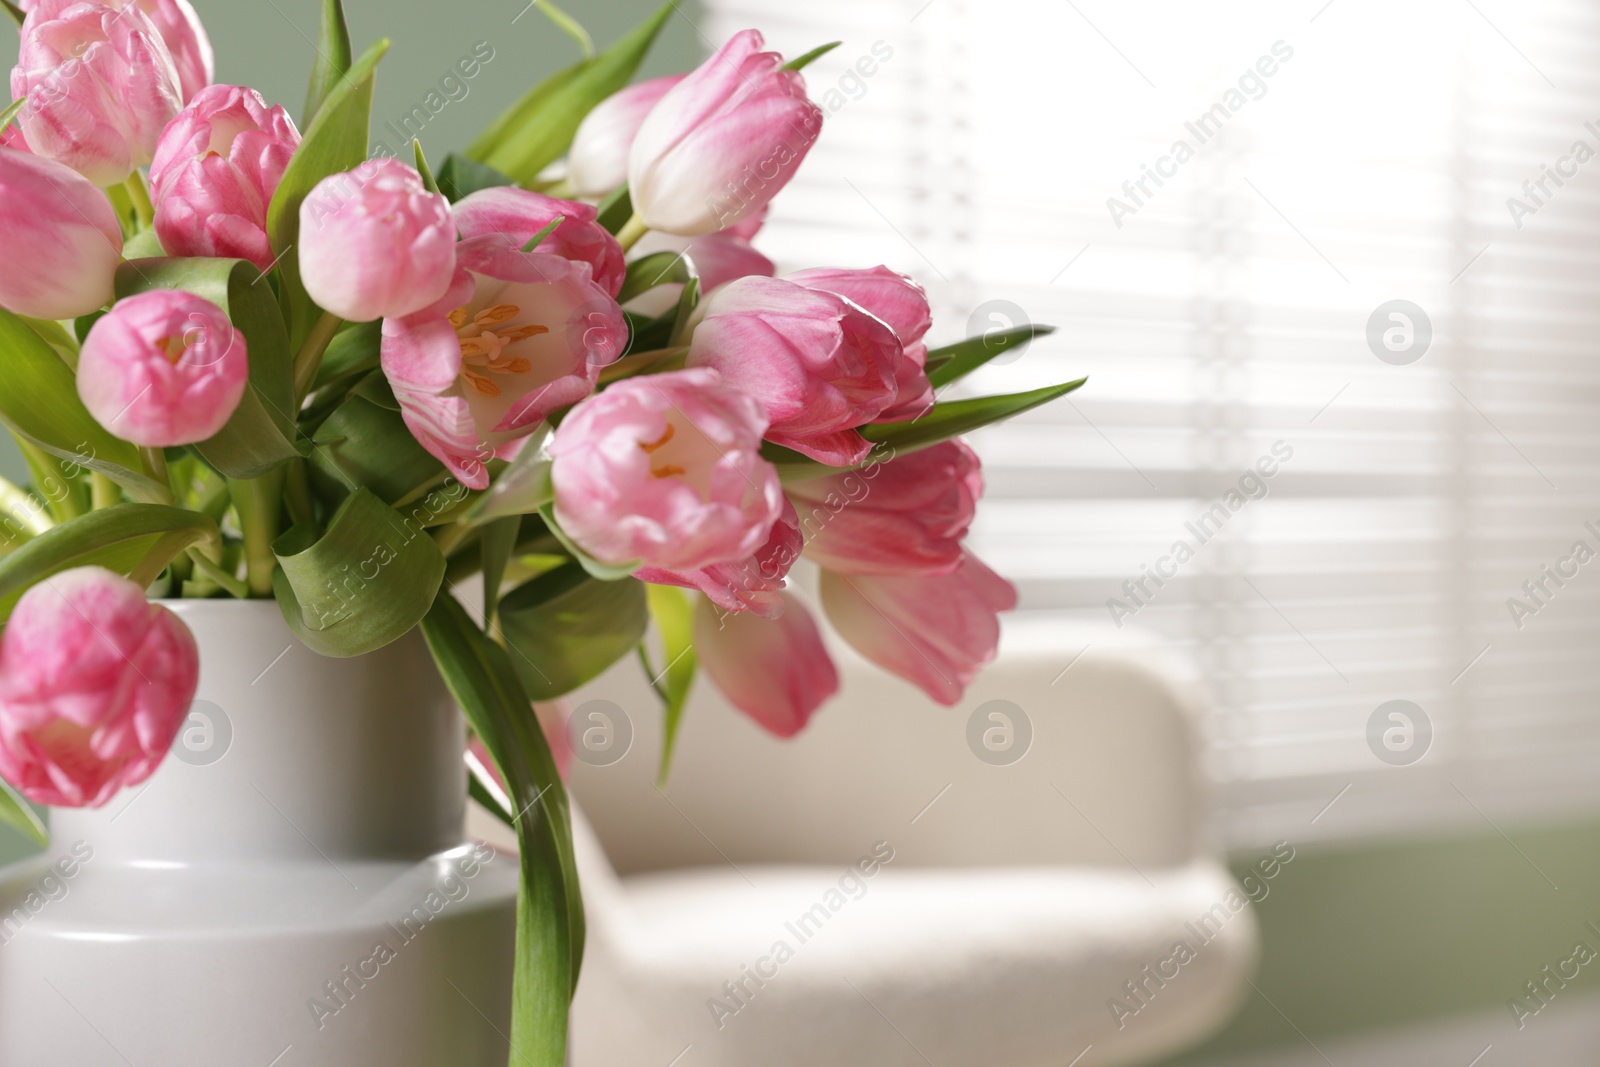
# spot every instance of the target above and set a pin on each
(1340, 156)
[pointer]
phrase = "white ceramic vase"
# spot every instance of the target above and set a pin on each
(291, 889)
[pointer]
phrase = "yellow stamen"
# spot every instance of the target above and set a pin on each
(458, 317)
(496, 315)
(486, 386)
(510, 365)
(173, 348)
(666, 472)
(522, 333)
(661, 441)
(474, 346)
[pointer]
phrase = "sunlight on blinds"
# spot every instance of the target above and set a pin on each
(1219, 207)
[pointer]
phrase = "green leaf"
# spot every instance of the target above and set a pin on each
(354, 350)
(261, 434)
(522, 488)
(137, 540)
(606, 572)
(615, 210)
(366, 444)
(496, 543)
(956, 417)
(334, 142)
(568, 25)
(11, 110)
(537, 129)
(952, 362)
(802, 62)
(333, 60)
(460, 177)
(658, 268)
(16, 813)
(673, 611)
(549, 228)
(568, 627)
(364, 583)
(688, 300)
(550, 921)
(422, 166)
(39, 401)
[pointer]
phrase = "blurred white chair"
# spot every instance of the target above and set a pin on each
(731, 924)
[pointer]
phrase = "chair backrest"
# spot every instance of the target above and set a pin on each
(1111, 776)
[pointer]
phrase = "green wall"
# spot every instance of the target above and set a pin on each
(1367, 935)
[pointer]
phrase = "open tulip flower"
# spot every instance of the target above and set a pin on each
(293, 367)
(517, 336)
(667, 471)
(101, 85)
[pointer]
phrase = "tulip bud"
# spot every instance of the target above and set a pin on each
(94, 683)
(598, 161)
(519, 214)
(375, 243)
(722, 142)
(516, 336)
(906, 516)
(100, 83)
(774, 670)
(182, 32)
(901, 303)
(163, 368)
(667, 470)
(214, 173)
(935, 631)
(819, 364)
(61, 238)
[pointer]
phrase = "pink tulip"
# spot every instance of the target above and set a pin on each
(819, 364)
(751, 584)
(100, 84)
(182, 32)
(214, 173)
(94, 683)
(163, 368)
(598, 161)
(901, 303)
(722, 142)
(935, 631)
(666, 470)
(518, 214)
(774, 670)
(375, 243)
(516, 336)
(61, 239)
(906, 516)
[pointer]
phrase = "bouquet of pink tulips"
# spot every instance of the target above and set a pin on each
(249, 358)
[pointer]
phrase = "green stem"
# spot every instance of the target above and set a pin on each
(104, 492)
(206, 566)
(25, 518)
(309, 358)
(449, 538)
(139, 197)
(155, 461)
(297, 493)
(631, 231)
(257, 502)
(61, 494)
